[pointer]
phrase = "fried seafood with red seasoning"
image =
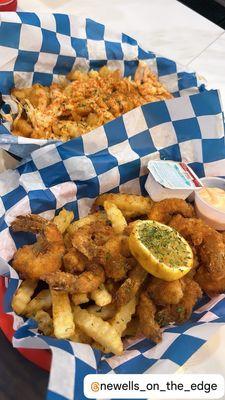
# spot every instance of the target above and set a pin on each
(44, 256)
(82, 102)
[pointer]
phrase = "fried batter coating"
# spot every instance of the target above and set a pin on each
(162, 292)
(44, 256)
(181, 311)
(22, 128)
(223, 236)
(210, 283)
(88, 238)
(210, 250)
(86, 282)
(115, 264)
(146, 312)
(69, 109)
(192, 229)
(130, 286)
(38, 95)
(163, 210)
(72, 261)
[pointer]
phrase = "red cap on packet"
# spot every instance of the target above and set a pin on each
(168, 179)
(8, 5)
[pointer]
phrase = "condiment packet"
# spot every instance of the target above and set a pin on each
(168, 179)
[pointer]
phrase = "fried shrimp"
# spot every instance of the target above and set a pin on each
(130, 286)
(73, 262)
(88, 238)
(210, 250)
(146, 312)
(163, 211)
(86, 282)
(44, 256)
(181, 311)
(192, 229)
(162, 292)
(115, 264)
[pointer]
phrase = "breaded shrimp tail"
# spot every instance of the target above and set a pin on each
(86, 282)
(44, 256)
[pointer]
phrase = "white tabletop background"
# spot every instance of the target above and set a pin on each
(175, 31)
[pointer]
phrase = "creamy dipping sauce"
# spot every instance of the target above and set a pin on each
(213, 196)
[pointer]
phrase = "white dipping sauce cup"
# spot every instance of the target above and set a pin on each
(212, 216)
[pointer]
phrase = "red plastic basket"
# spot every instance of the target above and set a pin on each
(42, 358)
(8, 5)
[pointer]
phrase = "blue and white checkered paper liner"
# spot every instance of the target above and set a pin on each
(114, 158)
(38, 48)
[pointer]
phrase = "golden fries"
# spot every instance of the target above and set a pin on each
(115, 216)
(105, 312)
(42, 301)
(101, 331)
(23, 295)
(64, 326)
(63, 220)
(45, 323)
(80, 337)
(123, 316)
(101, 296)
(134, 205)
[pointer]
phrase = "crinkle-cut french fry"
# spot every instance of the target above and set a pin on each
(98, 216)
(115, 216)
(79, 298)
(123, 316)
(98, 346)
(63, 323)
(105, 312)
(101, 331)
(133, 204)
(101, 296)
(23, 295)
(80, 337)
(63, 220)
(42, 301)
(45, 323)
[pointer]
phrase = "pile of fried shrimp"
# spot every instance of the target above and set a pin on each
(82, 102)
(80, 281)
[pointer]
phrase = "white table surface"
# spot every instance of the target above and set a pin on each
(169, 28)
